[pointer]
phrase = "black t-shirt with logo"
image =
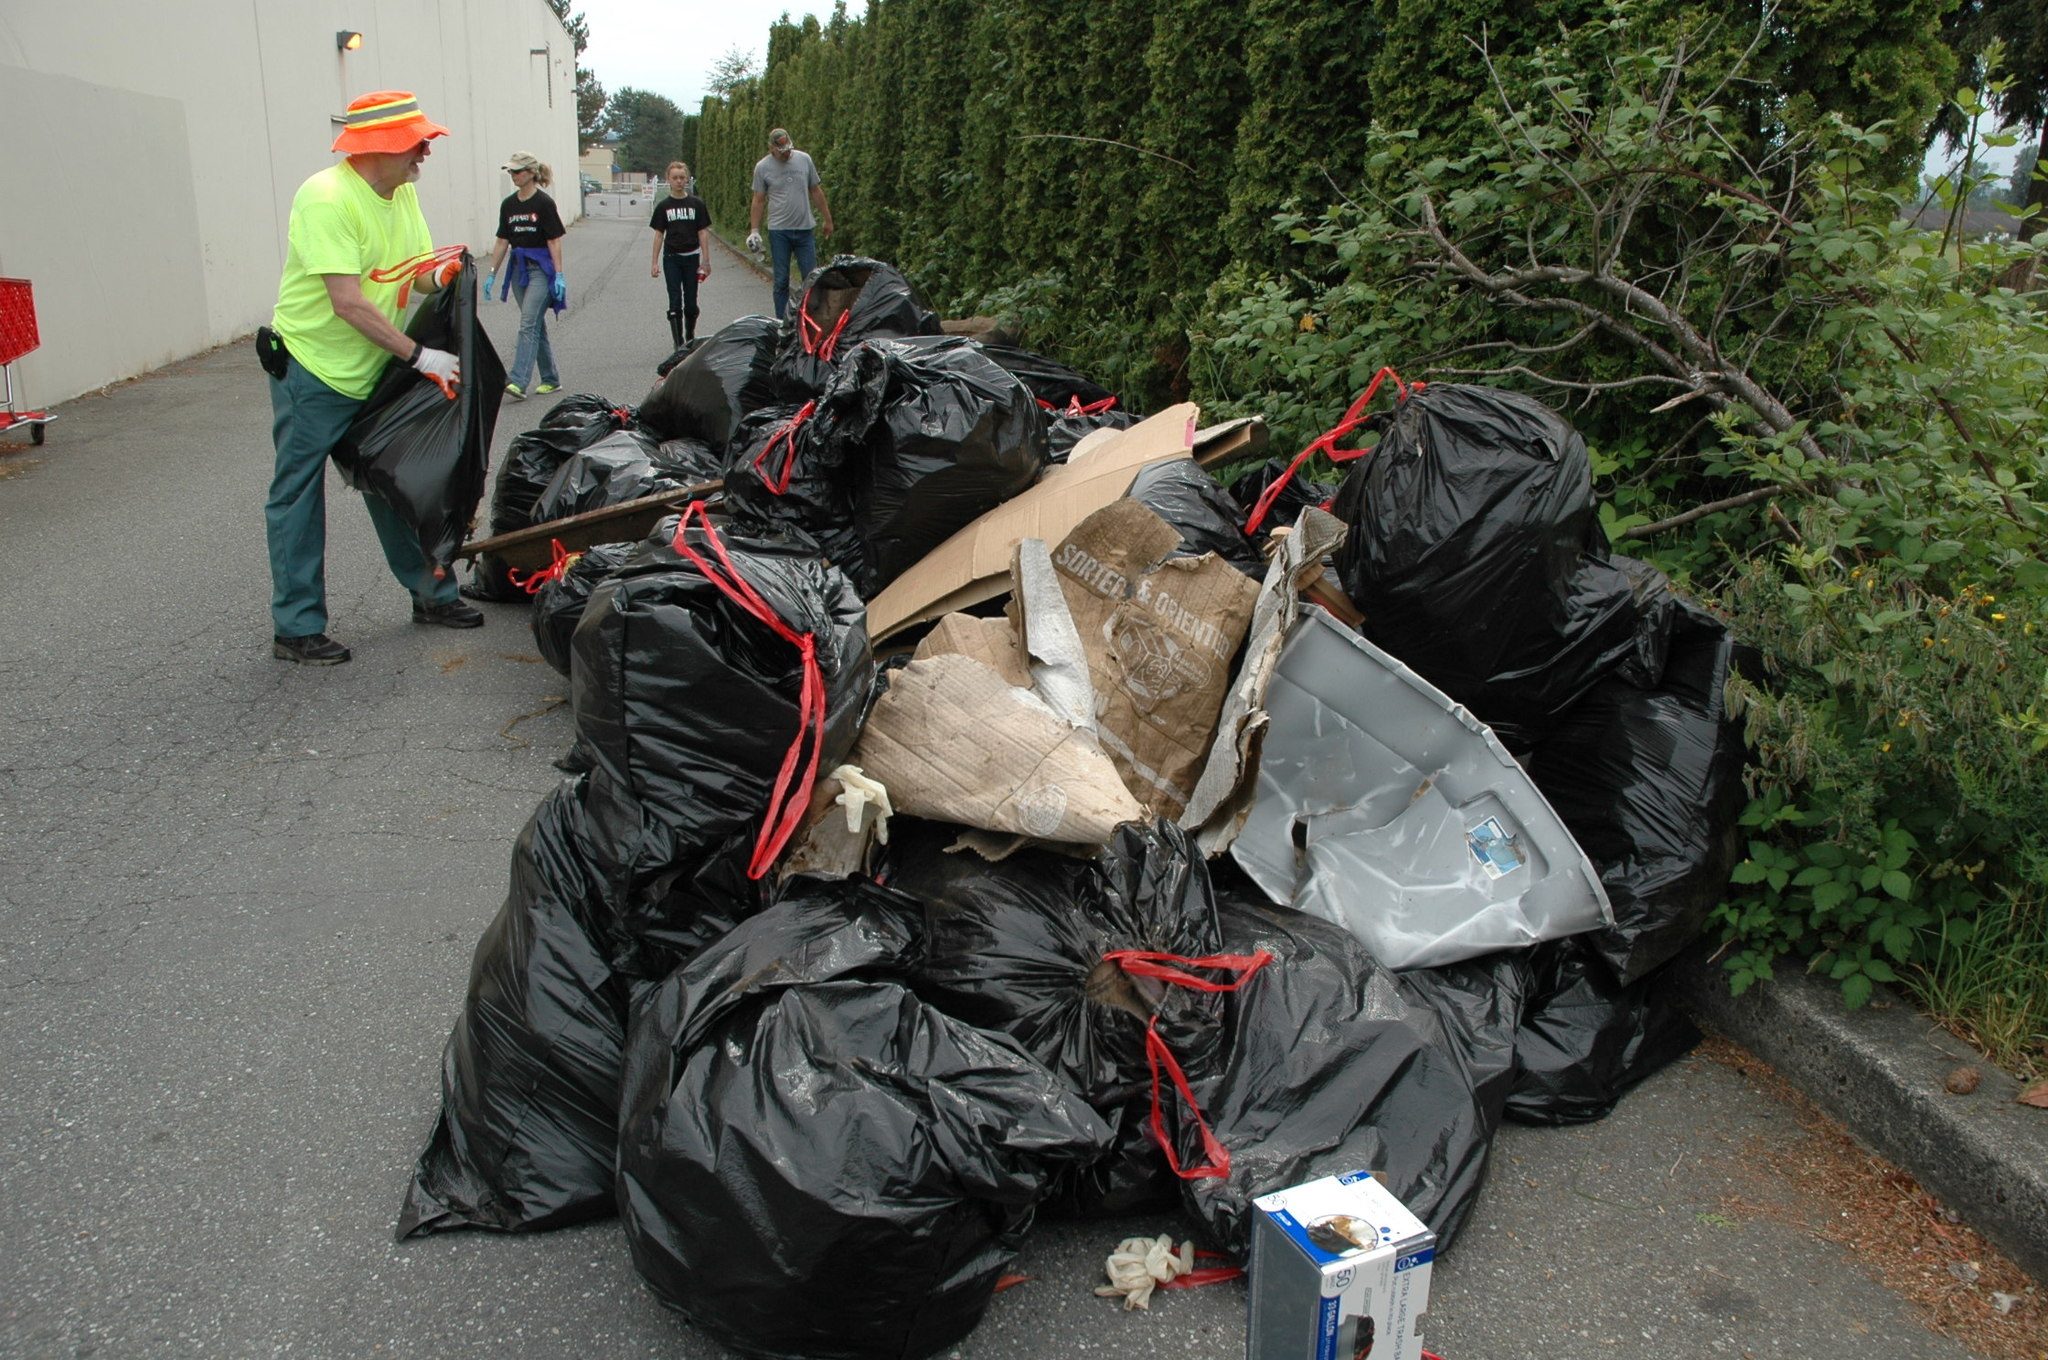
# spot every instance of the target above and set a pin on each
(682, 218)
(529, 222)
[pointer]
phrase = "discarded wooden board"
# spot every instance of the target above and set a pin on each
(526, 549)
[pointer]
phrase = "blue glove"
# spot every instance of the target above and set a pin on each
(490, 285)
(561, 288)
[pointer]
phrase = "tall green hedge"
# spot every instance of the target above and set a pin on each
(1094, 171)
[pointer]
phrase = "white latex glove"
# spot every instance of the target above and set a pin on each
(754, 242)
(1141, 1264)
(441, 368)
(866, 802)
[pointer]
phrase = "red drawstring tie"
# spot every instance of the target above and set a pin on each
(418, 265)
(785, 436)
(1326, 443)
(1195, 1279)
(1173, 968)
(816, 342)
(532, 581)
(1075, 407)
(791, 798)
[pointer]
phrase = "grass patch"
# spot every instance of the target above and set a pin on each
(1989, 985)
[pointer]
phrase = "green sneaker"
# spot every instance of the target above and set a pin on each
(515, 391)
(542, 389)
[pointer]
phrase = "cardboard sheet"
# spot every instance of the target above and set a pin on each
(1160, 633)
(955, 742)
(974, 564)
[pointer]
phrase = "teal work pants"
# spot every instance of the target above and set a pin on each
(308, 420)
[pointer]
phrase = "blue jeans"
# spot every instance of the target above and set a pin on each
(308, 418)
(679, 273)
(532, 298)
(781, 245)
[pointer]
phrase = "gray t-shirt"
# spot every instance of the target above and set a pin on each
(788, 186)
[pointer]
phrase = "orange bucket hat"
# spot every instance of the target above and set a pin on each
(388, 121)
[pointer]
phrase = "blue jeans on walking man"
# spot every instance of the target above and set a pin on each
(308, 418)
(781, 245)
(532, 295)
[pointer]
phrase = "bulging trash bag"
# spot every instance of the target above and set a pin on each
(1206, 516)
(530, 1076)
(1481, 1002)
(1649, 781)
(530, 463)
(616, 469)
(1585, 1038)
(1329, 1064)
(596, 416)
(412, 448)
(1056, 387)
(845, 302)
(716, 675)
(782, 472)
(940, 434)
(1044, 948)
(1063, 433)
(689, 461)
(720, 379)
(815, 1163)
(1297, 493)
(558, 603)
(1475, 553)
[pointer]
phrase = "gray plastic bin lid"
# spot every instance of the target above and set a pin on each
(1390, 810)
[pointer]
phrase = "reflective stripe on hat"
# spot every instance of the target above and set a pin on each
(377, 115)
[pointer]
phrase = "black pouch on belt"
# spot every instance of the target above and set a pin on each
(270, 352)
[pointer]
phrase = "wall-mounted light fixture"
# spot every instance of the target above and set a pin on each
(347, 40)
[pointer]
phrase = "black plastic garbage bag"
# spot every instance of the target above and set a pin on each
(689, 461)
(558, 604)
(1296, 494)
(597, 416)
(722, 378)
(1649, 782)
(1330, 1065)
(1057, 387)
(782, 472)
(940, 434)
(716, 676)
(530, 1076)
(617, 468)
(1481, 1002)
(1207, 517)
(815, 1163)
(844, 303)
(530, 463)
(1064, 432)
(1030, 947)
(1477, 558)
(1585, 1038)
(413, 448)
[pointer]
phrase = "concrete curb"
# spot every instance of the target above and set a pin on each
(1880, 1071)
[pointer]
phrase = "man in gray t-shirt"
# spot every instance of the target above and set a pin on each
(786, 188)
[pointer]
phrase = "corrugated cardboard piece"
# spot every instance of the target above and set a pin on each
(1160, 632)
(953, 741)
(974, 564)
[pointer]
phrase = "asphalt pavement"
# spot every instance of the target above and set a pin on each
(240, 899)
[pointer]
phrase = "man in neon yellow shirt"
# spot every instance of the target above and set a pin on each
(338, 327)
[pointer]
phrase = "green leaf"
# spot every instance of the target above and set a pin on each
(1897, 884)
(1880, 970)
(1856, 990)
(1749, 871)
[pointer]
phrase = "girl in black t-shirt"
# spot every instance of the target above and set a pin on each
(530, 229)
(679, 254)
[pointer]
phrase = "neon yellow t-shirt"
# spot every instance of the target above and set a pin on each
(340, 225)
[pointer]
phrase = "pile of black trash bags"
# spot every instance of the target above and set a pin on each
(828, 1110)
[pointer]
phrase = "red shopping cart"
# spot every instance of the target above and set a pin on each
(18, 337)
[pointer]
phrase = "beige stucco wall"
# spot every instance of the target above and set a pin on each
(149, 153)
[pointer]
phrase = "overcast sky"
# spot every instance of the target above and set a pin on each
(669, 48)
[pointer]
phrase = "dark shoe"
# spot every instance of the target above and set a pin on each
(454, 614)
(316, 650)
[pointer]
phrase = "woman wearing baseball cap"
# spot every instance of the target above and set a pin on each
(530, 228)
